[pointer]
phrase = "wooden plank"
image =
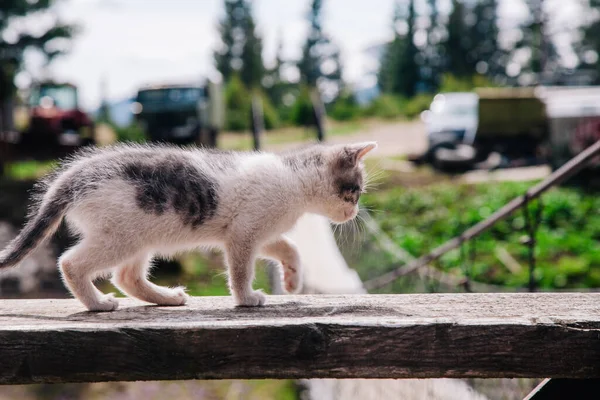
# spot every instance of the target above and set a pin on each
(325, 336)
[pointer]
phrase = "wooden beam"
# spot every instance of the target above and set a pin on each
(325, 336)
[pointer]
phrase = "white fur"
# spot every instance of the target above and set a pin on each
(259, 201)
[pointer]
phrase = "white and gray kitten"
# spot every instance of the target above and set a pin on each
(130, 203)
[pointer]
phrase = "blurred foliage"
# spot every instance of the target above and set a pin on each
(132, 133)
(157, 390)
(28, 170)
(568, 239)
(12, 14)
(417, 104)
(399, 73)
(386, 106)
(344, 108)
(320, 65)
(271, 116)
(302, 112)
(240, 52)
(238, 103)
(451, 83)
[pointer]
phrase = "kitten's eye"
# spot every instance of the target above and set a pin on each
(352, 188)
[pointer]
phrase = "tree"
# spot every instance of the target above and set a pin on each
(386, 76)
(399, 72)
(431, 54)
(485, 55)
(588, 49)
(408, 71)
(15, 38)
(320, 65)
(458, 42)
(241, 47)
(273, 82)
(537, 39)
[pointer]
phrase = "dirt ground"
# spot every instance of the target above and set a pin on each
(394, 139)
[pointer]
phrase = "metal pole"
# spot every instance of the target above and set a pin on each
(318, 114)
(257, 121)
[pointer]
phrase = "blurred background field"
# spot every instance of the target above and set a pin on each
(423, 78)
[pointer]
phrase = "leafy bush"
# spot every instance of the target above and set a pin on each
(568, 247)
(238, 104)
(302, 111)
(344, 108)
(131, 133)
(386, 106)
(417, 104)
(270, 113)
(451, 83)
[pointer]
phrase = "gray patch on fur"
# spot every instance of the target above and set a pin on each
(348, 178)
(307, 158)
(171, 182)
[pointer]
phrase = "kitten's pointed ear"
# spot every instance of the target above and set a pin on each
(357, 151)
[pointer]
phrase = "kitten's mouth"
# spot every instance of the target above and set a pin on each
(350, 214)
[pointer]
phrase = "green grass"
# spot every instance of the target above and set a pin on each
(28, 170)
(158, 390)
(419, 219)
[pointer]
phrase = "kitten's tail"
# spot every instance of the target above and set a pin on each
(39, 227)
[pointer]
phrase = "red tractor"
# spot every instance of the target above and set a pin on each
(55, 125)
(55, 118)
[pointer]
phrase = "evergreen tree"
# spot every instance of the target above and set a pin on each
(485, 55)
(386, 76)
(588, 49)
(431, 53)
(320, 63)
(407, 69)
(14, 44)
(399, 72)
(241, 50)
(536, 38)
(458, 42)
(253, 69)
(272, 81)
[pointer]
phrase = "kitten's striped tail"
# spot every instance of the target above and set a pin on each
(40, 226)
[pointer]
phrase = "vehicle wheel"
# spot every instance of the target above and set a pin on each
(461, 157)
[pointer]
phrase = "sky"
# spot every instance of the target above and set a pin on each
(129, 43)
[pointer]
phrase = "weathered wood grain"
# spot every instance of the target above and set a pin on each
(325, 336)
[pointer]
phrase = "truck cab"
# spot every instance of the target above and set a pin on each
(452, 117)
(465, 129)
(178, 114)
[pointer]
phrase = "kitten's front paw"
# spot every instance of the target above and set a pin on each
(174, 297)
(106, 303)
(253, 299)
(292, 278)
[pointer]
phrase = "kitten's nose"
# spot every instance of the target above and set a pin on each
(348, 213)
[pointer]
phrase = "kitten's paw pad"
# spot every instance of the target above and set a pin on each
(292, 279)
(106, 303)
(176, 297)
(252, 299)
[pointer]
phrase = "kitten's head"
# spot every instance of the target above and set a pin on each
(342, 180)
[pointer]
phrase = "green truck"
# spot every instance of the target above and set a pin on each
(180, 114)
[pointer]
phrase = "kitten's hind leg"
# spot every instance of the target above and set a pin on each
(240, 262)
(132, 279)
(83, 263)
(285, 251)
